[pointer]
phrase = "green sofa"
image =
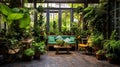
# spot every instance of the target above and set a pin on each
(52, 40)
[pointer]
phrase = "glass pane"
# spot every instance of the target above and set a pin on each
(53, 5)
(76, 17)
(65, 5)
(29, 5)
(53, 22)
(76, 5)
(42, 4)
(65, 20)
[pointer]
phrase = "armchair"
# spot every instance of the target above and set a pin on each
(83, 44)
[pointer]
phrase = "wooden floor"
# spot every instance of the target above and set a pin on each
(75, 59)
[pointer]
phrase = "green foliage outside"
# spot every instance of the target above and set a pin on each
(54, 23)
(65, 22)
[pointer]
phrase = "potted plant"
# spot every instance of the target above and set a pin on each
(96, 41)
(39, 49)
(28, 54)
(60, 42)
(112, 51)
(112, 48)
(100, 54)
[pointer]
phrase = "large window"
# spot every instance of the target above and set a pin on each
(53, 21)
(65, 20)
(62, 14)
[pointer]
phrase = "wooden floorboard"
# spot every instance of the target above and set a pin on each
(74, 59)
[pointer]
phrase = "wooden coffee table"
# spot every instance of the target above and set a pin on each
(57, 47)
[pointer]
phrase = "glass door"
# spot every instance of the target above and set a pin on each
(53, 21)
(65, 21)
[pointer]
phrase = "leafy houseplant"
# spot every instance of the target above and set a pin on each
(18, 19)
(60, 42)
(39, 25)
(20, 14)
(112, 48)
(39, 49)
(111, 45)
(100, 54)
(96, 41)
(28, 54)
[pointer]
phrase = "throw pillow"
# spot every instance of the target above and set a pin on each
(59, 37)
(67, 40)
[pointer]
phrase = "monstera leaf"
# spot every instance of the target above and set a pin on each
(19, 14)
(15, 16)
(4, 9)
(25, 21)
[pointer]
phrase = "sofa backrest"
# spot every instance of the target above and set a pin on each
(53, 37)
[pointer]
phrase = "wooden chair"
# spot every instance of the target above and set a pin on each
(84, 44)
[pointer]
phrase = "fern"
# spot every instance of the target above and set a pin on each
(113, 35)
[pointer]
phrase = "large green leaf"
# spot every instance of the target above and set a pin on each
(15, 16)
(25, 21)
(5, 9)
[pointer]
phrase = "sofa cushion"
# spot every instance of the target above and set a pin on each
(67, 40)
(59, 37)
(51, 39)
(72, 39)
